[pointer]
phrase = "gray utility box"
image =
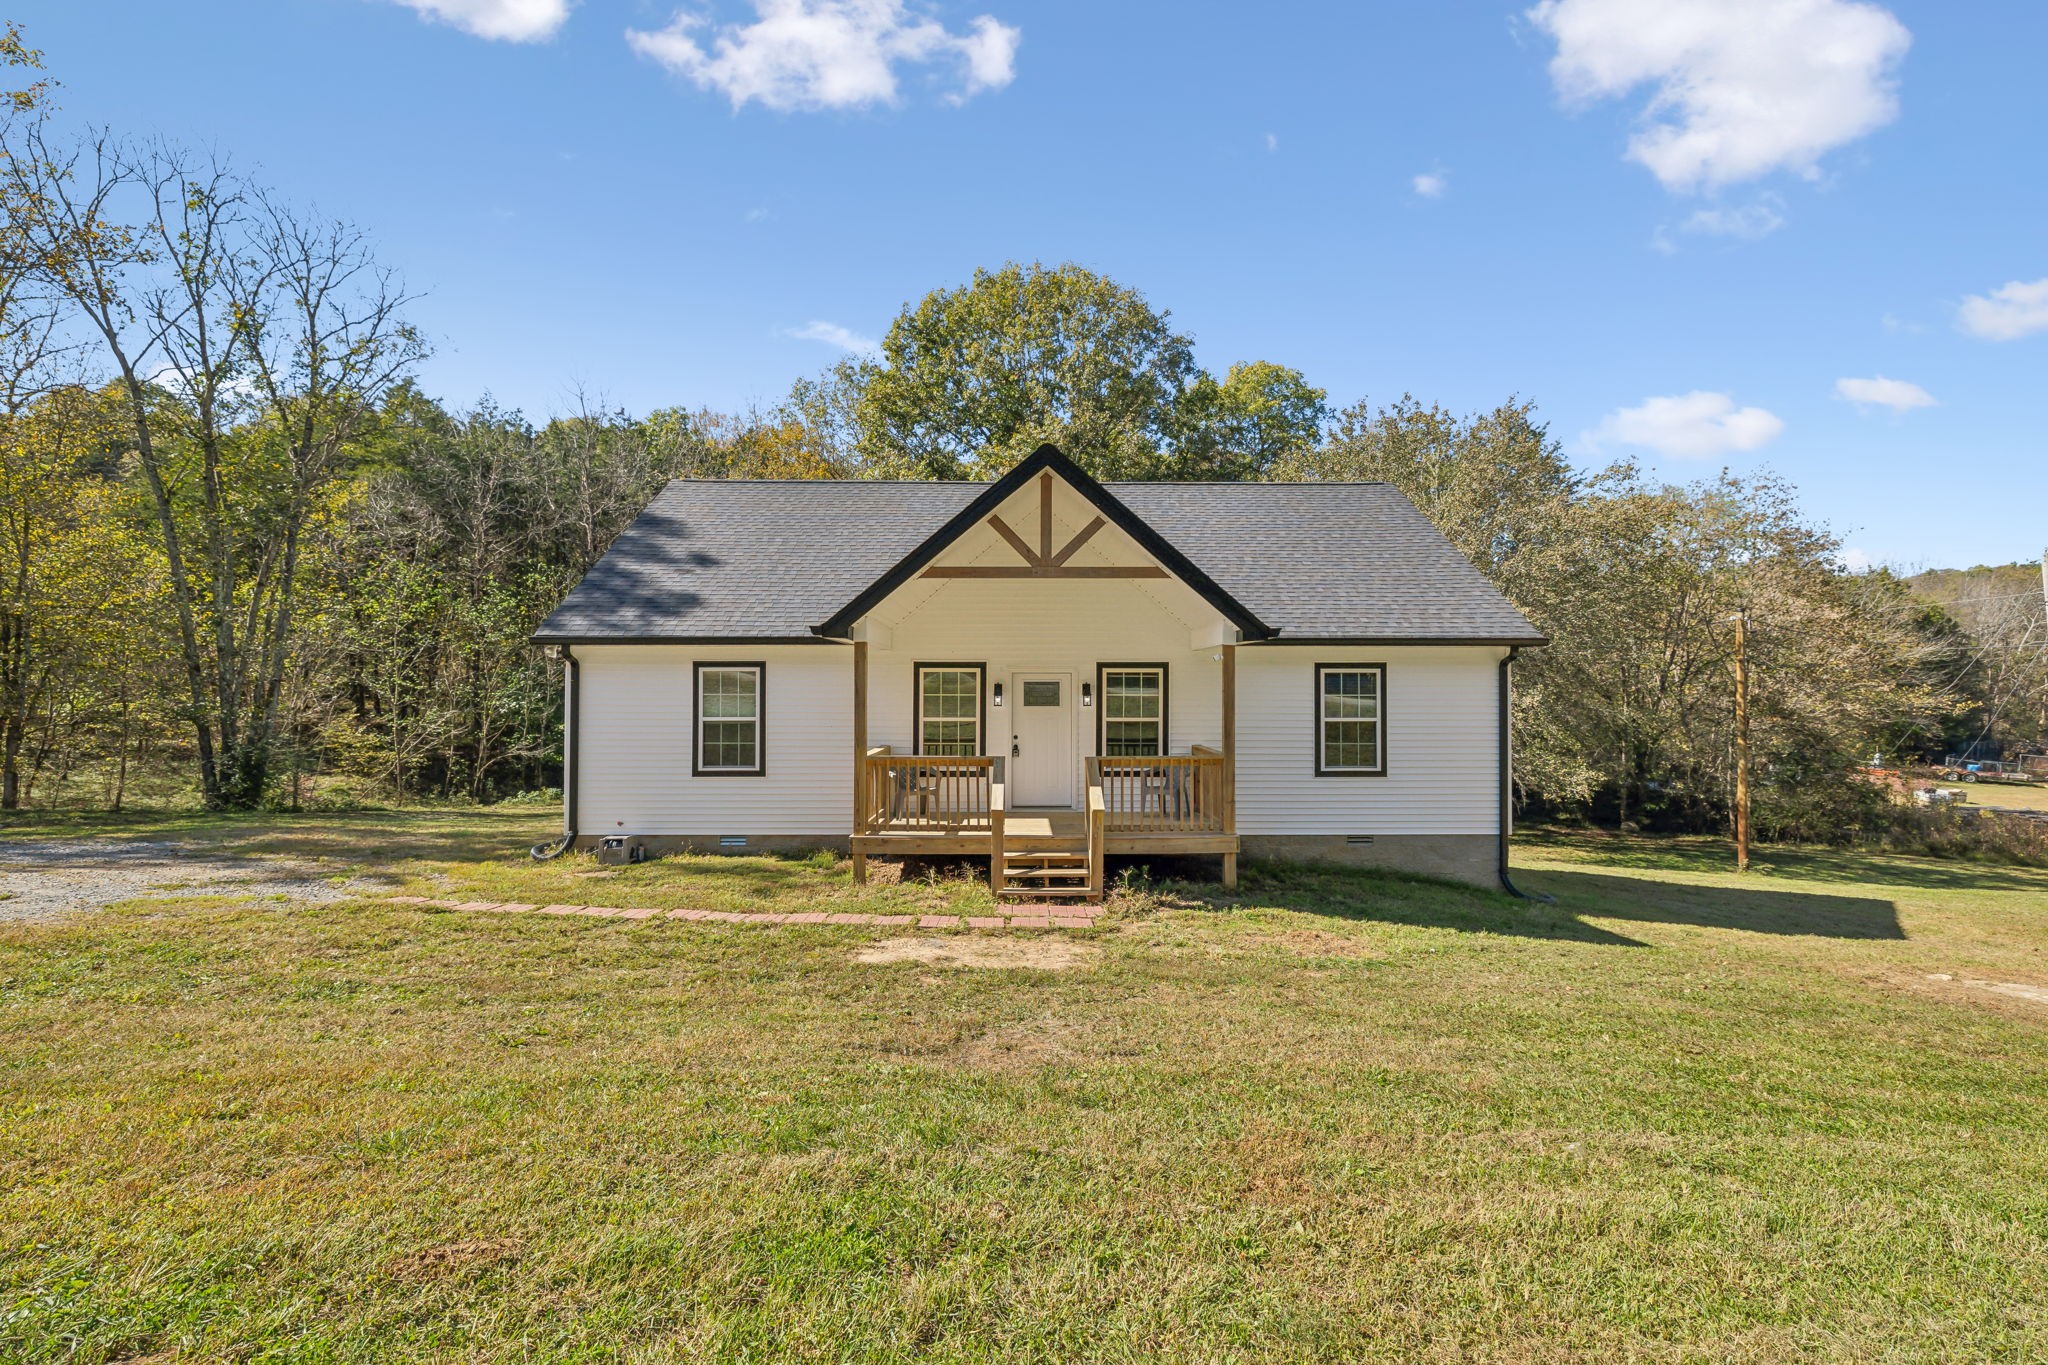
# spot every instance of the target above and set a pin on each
(616, 850)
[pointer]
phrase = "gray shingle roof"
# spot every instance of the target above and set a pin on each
(768, 560)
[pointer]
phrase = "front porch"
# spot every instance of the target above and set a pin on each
(912, 805)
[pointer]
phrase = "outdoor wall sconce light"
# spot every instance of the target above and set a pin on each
(1087, 694)
(997, 696)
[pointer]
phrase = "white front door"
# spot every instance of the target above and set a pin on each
(1041, 769)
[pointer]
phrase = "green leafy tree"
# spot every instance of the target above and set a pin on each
(68, 566)
(1253, 421)
(1496, 482)
(971, 380)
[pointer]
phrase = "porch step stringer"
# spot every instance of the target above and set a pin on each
(1038, 866)
(1032, 874)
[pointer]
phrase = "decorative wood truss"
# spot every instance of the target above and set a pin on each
(1043, 562)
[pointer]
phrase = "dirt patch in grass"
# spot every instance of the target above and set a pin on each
(1020, 1047)
(2014, 990)
(1048, 954)
(451, 1258)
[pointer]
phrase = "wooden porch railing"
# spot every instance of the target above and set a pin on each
(998, 805)
(916, 792)
(1167, 794)
(1097, 813)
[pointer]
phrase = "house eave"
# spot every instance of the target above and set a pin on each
(588, 639)
(1352, 641)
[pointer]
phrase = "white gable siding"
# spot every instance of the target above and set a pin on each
(634, 754)
(1046, 625)
(1442, 736)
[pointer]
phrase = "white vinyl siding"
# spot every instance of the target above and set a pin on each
(638, 727)
(1045, 626)
(1440, 744)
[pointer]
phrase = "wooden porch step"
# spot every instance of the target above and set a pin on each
(1040, 892)
(1060, 856)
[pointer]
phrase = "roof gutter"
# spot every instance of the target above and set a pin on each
(572, 739)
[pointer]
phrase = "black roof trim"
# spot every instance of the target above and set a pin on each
(1114, 511)
(1408, 641)
(539, 639)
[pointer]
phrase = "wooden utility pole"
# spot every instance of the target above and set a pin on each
(1742, 742)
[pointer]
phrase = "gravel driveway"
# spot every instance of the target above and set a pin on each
(43, 878)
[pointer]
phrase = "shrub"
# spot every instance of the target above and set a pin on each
(1967, 832)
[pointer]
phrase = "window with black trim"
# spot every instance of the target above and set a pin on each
(949, 714)
(729, 709)
(1133, 710)
(1351, 720)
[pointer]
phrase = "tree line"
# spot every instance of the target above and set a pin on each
(244, 557)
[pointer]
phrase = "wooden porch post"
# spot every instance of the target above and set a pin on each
(1230, 758)
(860, 758)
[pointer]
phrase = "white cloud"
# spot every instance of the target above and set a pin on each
(832, 334)
(1741, 87)
(1879, 392)
(514, 21)
(1432, 184)
(2008, 312)
(829, 54)
(1750, 222)
(1857, 561)
(1272, 142)
(1687, 426)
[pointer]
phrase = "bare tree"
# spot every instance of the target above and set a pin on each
(251, 345)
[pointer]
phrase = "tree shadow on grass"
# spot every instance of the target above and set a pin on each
(1381, 897)
(1838, 866)
(1392, 898)
(1757, 908)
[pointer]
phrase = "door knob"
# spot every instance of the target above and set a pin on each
(1014, 750)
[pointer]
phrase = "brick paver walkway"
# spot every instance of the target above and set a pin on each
(1019, 916)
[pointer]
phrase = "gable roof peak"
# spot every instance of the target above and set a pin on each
(1048, 458)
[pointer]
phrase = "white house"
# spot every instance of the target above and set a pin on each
(1042, 670)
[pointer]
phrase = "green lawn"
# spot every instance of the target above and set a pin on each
(1672, 1117)
(2010, 795)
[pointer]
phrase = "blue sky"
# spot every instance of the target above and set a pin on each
(1678, 225)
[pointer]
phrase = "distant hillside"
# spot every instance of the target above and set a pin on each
(1986, 594)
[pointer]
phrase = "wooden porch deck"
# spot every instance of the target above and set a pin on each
(1030, 830)
(917, 805)
(923, 806)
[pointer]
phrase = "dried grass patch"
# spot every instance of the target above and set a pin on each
(997, 954)
(1021, 1047)
(451, 1258)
